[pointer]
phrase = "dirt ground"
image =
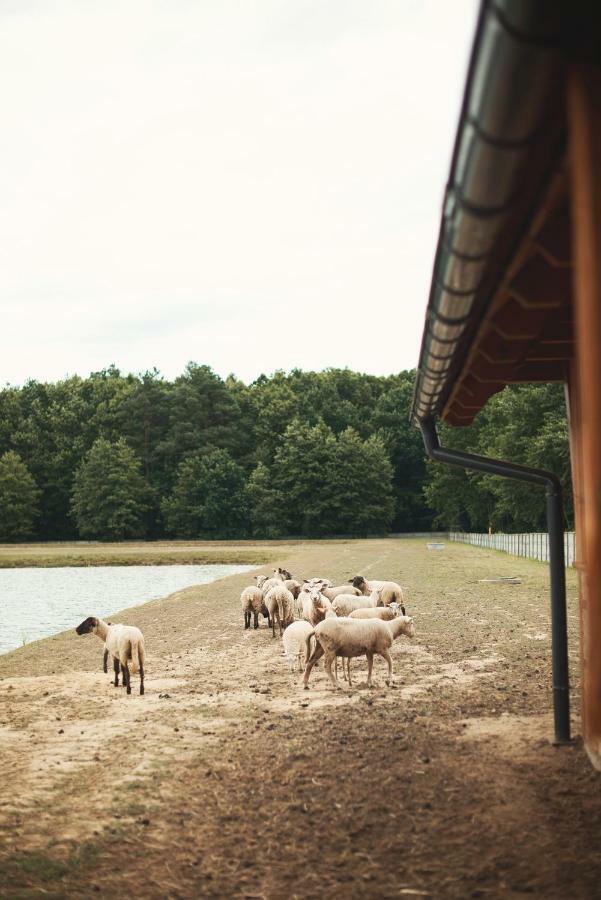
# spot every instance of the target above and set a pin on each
(227, 779)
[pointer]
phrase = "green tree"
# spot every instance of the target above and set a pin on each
(360, 486)
(110, 495)
(18, 498)
(203, 415)
(208, 499)
(265, 504)
(328, 485)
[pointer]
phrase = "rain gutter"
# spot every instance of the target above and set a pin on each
(555, 519)
(510, 135)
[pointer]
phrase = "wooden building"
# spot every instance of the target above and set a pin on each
(516, 286)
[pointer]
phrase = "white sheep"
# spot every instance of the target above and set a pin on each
(125, 643)
(386, 613)
(251, 599)
(314, 605)
(344, 604)
(280, 605)
(313, 582)
(332, 592)
(391, 592)
(266, 584)
(294, 640)
(351, 637)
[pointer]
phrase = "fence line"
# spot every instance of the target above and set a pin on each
(533, 546)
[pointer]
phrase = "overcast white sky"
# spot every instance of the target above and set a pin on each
(252, 185)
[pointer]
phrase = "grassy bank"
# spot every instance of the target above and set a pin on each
(142, 553)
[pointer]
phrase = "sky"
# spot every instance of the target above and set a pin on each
(248, 184)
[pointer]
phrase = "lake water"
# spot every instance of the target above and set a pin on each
(37, 602)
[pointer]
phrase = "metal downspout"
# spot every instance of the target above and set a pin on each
(559, 633)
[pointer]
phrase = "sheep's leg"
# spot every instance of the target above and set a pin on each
(273, 615)
(317, 654)
(370, 665)
(104, 661)
(125, 674)
(246, 619)
(141, 678)
(116, 671)
(336, 668)
(256, 620)
(330, 657)
(388, 659)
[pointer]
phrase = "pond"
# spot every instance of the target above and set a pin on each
(36, 602)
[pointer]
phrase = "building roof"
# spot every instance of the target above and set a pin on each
(500, 307)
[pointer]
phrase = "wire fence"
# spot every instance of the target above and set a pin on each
(533, 546)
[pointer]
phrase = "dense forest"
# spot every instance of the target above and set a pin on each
(116, 456)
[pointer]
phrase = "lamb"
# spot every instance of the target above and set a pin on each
(295, 643)
(125, 643)
(284, 574)
(348, 638)
(344, 604)
(391, 591)
(251, 599)
(314, 605)
(280, 605)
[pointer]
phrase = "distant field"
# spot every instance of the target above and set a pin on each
(142, 553)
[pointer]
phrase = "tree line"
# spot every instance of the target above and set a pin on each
(116, 456)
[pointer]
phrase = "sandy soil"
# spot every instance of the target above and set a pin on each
(228, 780)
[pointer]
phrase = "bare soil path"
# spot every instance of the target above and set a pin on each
(227, 779)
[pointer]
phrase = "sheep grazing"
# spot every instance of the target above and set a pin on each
(391, 592)
(251, 599)
(344, 604)
(349, 638)
(314, 605)
(280, 605)
(125, 643)
(294, 640)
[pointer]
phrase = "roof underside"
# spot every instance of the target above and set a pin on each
(500, 307)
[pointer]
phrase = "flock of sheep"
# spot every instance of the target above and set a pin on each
(361, 618)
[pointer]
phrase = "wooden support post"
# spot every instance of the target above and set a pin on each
(584, 119)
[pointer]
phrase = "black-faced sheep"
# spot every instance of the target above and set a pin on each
(125, 643)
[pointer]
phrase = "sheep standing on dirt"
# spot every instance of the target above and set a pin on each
(349, 637)
(294, 640)
(314, 605)
(390, 591)
(125, 643)
(251, 599)
(280, 605)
